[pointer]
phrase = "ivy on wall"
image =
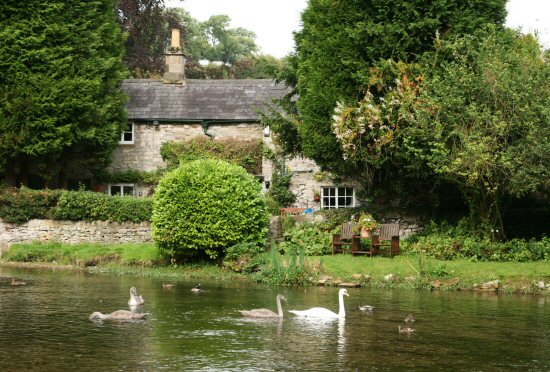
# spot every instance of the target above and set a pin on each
(134, 176)
(247, 154)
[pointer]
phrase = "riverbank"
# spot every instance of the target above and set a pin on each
(405, 271)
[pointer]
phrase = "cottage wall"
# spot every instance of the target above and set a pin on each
(144, 153)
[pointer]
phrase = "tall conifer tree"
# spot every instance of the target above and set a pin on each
(61, 97)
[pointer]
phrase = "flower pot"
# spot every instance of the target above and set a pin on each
(365, 233)
(317, 198)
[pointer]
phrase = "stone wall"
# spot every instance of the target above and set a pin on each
(303, 183)
(74, 232)
(144, 153)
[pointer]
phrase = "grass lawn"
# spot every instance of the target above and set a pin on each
(409, 271)
(346, 265)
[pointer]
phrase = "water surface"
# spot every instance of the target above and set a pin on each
(44, 326)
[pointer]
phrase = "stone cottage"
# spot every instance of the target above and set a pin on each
(177, 109)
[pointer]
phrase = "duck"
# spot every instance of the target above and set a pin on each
(167, 285)
(367, 308)
(17, 282)
(321, 312)
(266, 313)
(118, 315)
(135, 300)
(405, 329)
(410, 319)
(196, 289)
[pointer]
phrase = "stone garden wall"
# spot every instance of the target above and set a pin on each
(74, 232)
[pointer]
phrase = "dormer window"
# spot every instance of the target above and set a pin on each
(127, 135)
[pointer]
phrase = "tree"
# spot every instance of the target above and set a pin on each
(282, 116)
(148, 25)
(61, 101)
(476, 114)
(341, 41)
(230, 51)
(227, 45)
(256, 67)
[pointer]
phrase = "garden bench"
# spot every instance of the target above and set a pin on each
(346, 238)
(386, 240)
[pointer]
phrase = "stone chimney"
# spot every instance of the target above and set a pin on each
(175, 61)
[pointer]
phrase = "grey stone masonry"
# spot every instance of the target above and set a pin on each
(74, 232)
(144, 153)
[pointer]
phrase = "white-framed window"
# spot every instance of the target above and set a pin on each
(337, 197)
(128, 134)
(121, 189)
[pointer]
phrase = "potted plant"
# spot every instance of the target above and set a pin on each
(365, 223)
(317, 195)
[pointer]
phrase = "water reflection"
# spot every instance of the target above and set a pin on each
(44, 326)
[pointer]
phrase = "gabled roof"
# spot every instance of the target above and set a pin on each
(200, 100)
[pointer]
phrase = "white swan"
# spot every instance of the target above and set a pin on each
(135, 300)
(266, 313)
(321, 312)
(118, 315)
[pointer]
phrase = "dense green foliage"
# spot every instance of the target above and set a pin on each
(245, 153)
(94, 206)
(451, 242)
(282, 115)
(305, 237)
(276, 269)
(341, 41)
(133, 176)
(278, 194)
(478, 118)
(243, 257)
(207, 206)
(22, 205)
(61, 100)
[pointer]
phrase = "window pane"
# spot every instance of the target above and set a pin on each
(115, 190)
(128, 190)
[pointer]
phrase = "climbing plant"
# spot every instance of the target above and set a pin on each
(246, 153)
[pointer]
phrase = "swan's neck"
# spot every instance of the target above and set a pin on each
(279, 308)
(341, 311)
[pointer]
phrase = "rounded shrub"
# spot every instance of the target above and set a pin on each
(207, 206)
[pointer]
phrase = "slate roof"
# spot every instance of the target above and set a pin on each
(199, 100)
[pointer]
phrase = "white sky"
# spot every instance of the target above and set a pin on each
(273, 21)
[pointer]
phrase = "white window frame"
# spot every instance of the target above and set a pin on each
(130, 130)
(122, 186)
(335, 197)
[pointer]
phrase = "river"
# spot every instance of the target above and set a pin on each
(44, 326)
